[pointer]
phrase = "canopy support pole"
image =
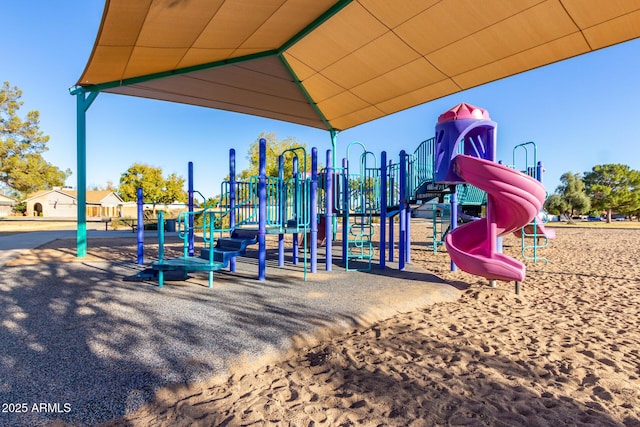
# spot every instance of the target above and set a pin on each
(84, 100)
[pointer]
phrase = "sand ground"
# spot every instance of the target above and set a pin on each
(566, 351)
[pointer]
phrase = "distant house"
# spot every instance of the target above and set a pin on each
(62, 203)
(6, 205)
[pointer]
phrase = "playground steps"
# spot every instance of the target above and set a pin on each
(230, 247)
(429, 190)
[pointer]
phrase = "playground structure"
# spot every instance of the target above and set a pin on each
(248, 211)
(471, 202)
(457, 165)
(466, 153)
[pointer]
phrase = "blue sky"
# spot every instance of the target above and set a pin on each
(580, 112)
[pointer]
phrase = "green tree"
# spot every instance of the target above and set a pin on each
(613, 187)
(276, 147)
(155, 188)
(22, 143)
(570, 198)
(556, 205)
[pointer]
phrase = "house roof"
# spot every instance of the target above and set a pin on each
(335, 64)
(6, 200)
(93, 196)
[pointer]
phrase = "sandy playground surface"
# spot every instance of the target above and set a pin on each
(566, 351)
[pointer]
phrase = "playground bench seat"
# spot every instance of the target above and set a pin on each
(185, 265)
(226, 248)
(129, 223)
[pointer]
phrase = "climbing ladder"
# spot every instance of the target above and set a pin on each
(360, 200)
(532, 239)
(359, 240)
(441, 219)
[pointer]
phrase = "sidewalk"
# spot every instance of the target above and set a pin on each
(14, 245)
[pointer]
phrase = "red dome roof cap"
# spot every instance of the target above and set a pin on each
(464, 111)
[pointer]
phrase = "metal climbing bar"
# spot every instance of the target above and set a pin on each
(360, 200)
(532, 237)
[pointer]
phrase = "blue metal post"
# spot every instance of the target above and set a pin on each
(140, 226)
(262, 210)
(282, 201)
(392, 221)
(160, 246)
(345, 209)
(295, 208)
(232, 199)
(160, 235)
(539, 169)
(383, 209)
(191, 209)
(402, 244)
(329, 212)
(83, 102)
(408, 235)
(313, 209)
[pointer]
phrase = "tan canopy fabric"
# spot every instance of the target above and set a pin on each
(335, 65)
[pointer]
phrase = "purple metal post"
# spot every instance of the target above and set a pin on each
(191, 208)
(328, 191)
(345, 209)
(294, 170)
(392, 221)
(539, 169)
(232, 199)
(383, 208)
(262, 210)
(282, 201)
(402, 244)
(408, 239)
(140, 226)
(313, 209)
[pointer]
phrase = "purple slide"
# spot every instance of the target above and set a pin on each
(513, 200)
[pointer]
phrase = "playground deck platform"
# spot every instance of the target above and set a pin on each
(89, 337)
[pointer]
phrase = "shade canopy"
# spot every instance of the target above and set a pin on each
(335, 65)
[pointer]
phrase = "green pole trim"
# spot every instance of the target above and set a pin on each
(83, 102)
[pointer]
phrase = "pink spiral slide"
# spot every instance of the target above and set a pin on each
(513, 200)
